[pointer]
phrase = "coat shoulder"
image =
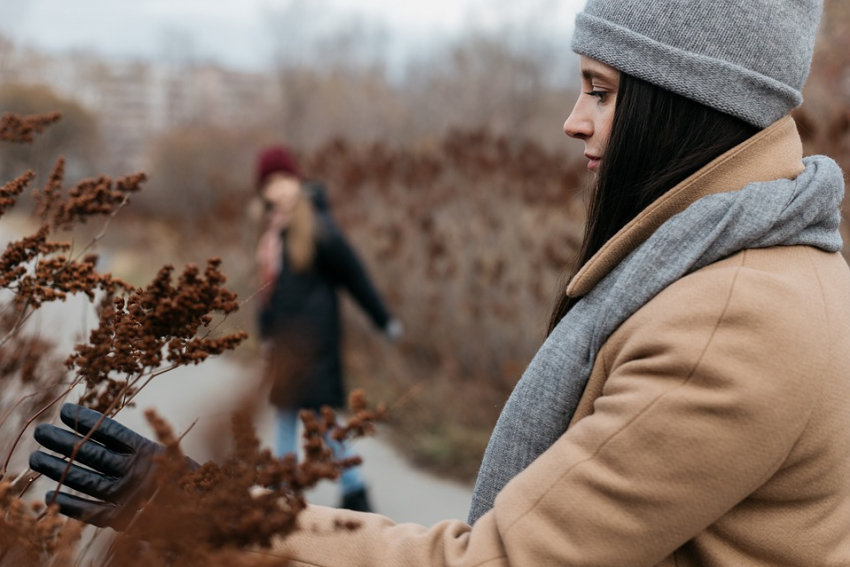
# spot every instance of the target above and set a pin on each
(775, 305)
(781, 293)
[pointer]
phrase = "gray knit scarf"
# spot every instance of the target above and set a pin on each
(803, 211)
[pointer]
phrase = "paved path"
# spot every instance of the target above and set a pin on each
(210, 391)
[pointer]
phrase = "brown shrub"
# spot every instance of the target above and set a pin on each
(210, 516)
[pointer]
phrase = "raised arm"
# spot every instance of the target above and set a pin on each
(337, 259)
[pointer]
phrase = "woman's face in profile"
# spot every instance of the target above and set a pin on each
(593, 114)
(281, 194)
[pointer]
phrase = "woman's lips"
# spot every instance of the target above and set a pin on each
(594, 161)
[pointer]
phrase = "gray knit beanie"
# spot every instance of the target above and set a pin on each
(747, 58)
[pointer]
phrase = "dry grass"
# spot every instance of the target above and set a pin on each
(467, 239)
(468, 242)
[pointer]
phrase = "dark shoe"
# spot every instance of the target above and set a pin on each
(357, 501)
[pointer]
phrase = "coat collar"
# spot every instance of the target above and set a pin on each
(774, 153)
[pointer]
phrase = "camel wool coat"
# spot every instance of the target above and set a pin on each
(714, 430)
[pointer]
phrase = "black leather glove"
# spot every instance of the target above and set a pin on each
(121, 462)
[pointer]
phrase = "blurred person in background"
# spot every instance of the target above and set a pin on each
(689, 406)
(303, 259)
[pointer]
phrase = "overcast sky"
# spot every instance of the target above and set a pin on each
(238, 33)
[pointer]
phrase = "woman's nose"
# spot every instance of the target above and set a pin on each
(578, 124)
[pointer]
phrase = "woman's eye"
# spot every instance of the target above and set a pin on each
(598, 94)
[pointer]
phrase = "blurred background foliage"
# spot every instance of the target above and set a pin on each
(451, 176)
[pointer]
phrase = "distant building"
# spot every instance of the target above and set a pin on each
(135, 101)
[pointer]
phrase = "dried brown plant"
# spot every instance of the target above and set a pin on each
(22, 130)
(30, 534)
(466, 236)
(11, 190)
(215, 515)
(219, 514)
(159, 324)
(468, 239)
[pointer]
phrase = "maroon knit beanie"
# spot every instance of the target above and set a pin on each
(276, 159)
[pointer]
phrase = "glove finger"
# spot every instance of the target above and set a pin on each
(109, 432)
(89, 453)
(77, 478)
(97, 514)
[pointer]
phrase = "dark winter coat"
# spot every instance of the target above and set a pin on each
(301, 319)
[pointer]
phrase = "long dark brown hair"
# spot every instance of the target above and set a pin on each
(658, 139)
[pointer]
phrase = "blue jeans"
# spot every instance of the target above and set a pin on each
(286, 436)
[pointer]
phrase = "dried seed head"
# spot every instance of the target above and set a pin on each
(22, 130)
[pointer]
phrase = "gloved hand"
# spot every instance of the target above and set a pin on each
(394, 330)
(122, 463)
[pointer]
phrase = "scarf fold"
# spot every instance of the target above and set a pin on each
(802, 211)
(269, 260)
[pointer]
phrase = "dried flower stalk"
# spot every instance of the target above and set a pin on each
(22, 130)
(219, 514)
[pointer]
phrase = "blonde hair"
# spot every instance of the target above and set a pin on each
(301, 235)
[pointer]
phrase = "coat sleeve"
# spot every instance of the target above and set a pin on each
(338, 261)
(702, 406)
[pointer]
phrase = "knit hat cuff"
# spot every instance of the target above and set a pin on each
(755, 98)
